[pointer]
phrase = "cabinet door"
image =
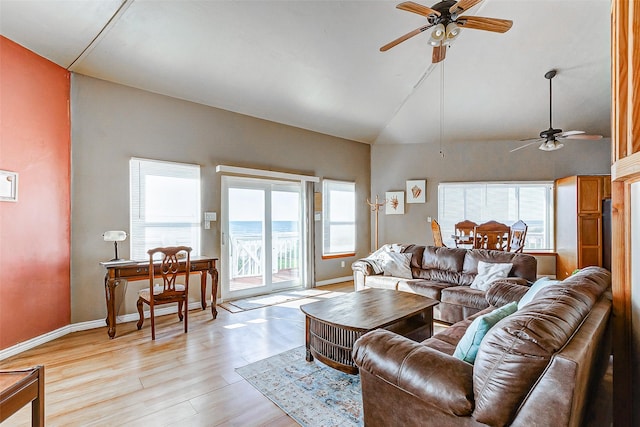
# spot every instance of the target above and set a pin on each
(606, 187)
(589, 240)
(589, 194)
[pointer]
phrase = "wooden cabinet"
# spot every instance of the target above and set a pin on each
(578, 221)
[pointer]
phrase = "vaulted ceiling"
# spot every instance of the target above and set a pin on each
(317, 65)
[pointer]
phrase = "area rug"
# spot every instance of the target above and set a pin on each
(271, 299)
(311, 393)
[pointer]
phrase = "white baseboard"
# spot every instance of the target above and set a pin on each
(83, 326)
(334, 281)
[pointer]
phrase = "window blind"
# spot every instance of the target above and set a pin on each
(165, 206)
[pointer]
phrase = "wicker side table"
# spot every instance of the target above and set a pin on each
(333, 325)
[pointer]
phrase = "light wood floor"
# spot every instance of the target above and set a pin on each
(178, 380)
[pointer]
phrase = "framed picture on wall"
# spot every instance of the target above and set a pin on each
(395, 203)
(8, 186)
(416, 190)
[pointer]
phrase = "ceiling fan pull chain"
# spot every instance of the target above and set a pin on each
(441, 107)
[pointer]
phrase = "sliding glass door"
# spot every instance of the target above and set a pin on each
(262, 239)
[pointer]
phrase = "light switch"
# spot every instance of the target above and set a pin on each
(208, 217)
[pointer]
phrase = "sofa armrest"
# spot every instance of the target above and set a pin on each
(362, 266)
(439, 379)
(504, 291)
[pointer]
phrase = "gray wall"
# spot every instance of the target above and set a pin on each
(392, 165)
(112, 123)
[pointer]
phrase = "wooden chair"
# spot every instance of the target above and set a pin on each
(168, 291)
(518, 234)
(464, 233)
(437, 234)
(492, 235)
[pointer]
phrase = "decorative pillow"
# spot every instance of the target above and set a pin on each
(539, 284)
(397, 264)
(467, 348)
(377, 259)
(488, 272)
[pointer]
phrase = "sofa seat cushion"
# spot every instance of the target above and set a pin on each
(465, 296)
(427, 288)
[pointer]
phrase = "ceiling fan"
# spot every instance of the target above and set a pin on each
(549, 138)
(444, 17)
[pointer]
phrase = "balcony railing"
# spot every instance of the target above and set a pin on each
(247, 253)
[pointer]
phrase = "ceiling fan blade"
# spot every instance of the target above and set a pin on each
(487, 24)
(525, 145)
(439, 53)
(570, 133)
(405, 37)
(410, 6)
(463, 5)
(583, 136)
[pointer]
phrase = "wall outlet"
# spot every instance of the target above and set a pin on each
(428, 219)
(342, 264)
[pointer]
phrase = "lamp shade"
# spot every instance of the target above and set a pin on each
(550, 146)
(437, 35)
(114, 236)
(452, 31)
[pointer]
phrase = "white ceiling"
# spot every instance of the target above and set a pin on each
(317, 65)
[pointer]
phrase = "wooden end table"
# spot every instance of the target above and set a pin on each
(333, 325)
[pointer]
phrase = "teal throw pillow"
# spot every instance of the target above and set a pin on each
(540, 284)
(467, 348)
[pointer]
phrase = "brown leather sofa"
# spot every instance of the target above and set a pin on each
(539, 366)
(445, 274)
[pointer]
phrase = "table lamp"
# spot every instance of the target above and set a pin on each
(115, 237)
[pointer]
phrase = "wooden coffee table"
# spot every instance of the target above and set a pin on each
(333, 325)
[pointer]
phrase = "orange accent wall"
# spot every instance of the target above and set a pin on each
(35, 141)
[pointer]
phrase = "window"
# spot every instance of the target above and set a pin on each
(165, 206)
(339, 218)
(532, 202)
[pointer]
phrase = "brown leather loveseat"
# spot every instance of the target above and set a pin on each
(536, 367)
(445, 274)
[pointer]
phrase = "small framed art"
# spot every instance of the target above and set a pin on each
(8, 186)
(416, 190)
(395, 203)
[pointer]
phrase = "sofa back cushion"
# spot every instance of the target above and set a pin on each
(515, 352)
(441, 264)
(524, 265)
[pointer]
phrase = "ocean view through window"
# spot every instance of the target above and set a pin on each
(165, 206)
(263, 237)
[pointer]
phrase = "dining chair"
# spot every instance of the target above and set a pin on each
(492, 235)
(168, 290)
(464, 233)
(437, 234)
(518, 235)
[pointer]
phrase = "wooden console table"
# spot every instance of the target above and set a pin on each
(140, 271)
(17, 388)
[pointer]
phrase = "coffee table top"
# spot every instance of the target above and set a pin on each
(368, 309)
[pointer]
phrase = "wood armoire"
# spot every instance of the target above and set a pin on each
(579, 222)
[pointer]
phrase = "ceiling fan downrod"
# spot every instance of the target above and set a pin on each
(549, 133)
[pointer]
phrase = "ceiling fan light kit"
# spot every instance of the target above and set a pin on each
(446, 20)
